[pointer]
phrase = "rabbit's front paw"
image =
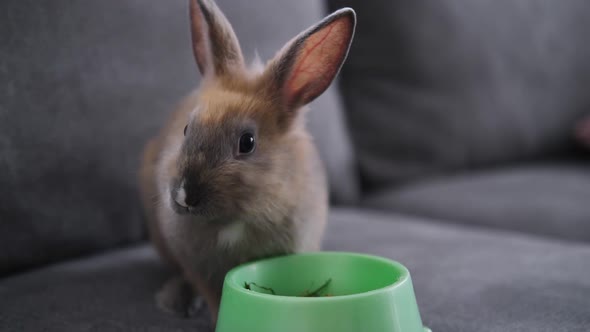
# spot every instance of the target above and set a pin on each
(177, 297)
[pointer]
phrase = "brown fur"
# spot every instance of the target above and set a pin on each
(275, 199)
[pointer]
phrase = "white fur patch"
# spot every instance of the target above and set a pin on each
(231, 234)
(181, 196)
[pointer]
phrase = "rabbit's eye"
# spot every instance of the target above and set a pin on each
(185, 127)
(247, 143)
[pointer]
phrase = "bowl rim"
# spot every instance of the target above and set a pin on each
(404, 276)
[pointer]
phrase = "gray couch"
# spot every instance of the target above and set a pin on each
(448, 147)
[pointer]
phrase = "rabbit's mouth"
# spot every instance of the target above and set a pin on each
(185, 209)
(202, 213)
(181, 204)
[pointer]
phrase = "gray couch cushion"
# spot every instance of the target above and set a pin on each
(111, 292)
(467, 280)
(435, 86)
(550, 199)
(464, 281)
(84, 84)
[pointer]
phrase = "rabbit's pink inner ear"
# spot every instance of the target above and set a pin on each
(199, 36)
(318, 60)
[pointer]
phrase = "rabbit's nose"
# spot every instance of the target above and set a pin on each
(194, 198)
(181, 197)
(190, 194)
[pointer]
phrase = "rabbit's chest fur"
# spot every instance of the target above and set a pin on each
(213, 249)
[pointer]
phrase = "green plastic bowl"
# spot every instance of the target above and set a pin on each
(365, 294)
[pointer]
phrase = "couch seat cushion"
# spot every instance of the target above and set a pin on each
(465, 280)
(550, 199)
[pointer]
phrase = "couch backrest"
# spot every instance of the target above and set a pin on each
(84, 84)
(433, 87)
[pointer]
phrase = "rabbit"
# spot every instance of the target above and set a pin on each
(234, 176)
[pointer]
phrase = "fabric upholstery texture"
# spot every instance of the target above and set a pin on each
(433, 87)
(464, 281)
(550, 199)
(84, 86)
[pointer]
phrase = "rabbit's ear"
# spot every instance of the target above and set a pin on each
(307, 65)
(215, 44)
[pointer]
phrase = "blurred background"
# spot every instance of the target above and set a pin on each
(467, 118)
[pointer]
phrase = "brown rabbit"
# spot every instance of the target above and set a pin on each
(234, 175)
